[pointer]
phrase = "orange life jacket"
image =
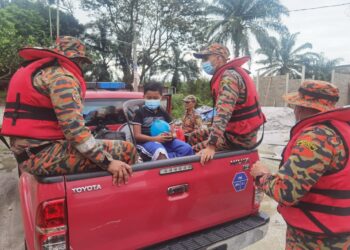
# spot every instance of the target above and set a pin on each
(247, 116)
(325, 209)
(29, 113)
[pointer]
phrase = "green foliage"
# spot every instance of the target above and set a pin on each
(321, 67)
(283, 57)
(69, 25)
(25, 23)
(2, 96)
(177, 105)
(13, 36)
(234, 21)
(200, 88)
(155, 25)
(178, 68)
(101, 50)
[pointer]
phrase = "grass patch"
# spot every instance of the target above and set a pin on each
(2, 96)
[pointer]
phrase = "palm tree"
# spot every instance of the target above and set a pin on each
(321, 68)
(179, 69)
(236, 20)
(282, 57)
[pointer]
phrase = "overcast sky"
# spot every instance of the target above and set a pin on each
(326, 29)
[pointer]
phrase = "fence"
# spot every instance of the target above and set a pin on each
(272, 88)
(343, 83)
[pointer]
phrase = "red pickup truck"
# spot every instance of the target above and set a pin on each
(168, 204)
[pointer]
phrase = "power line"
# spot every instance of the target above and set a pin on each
(320, 7)
(305, 9)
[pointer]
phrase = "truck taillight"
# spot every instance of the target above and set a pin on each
(51, 225)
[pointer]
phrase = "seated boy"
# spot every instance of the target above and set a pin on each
(162, 146)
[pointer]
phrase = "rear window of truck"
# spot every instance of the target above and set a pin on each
(110, 111)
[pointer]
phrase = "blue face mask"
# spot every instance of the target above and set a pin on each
(208, 68)
(152, 104)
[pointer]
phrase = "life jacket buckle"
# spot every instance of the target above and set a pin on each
(15, 116)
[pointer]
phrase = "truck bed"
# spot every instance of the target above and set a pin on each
(164, 200)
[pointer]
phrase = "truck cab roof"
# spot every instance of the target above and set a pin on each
(106, 94)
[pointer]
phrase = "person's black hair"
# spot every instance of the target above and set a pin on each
(153, 86)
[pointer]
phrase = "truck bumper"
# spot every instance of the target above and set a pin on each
(236, 234)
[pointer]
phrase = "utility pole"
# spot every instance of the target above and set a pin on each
(258, 80)
(58, 19)
(287, 86)
(333, 76)
(50, 2)
(136, 77)
(303, 74)
(50, 23)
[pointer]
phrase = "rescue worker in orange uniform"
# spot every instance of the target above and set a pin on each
(43, 117)
(191, 120)
(238, 113)
(312, 184)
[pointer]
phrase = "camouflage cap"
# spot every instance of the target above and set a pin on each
(318, 95)
(71, 47)
(215, 48)
(190, 98)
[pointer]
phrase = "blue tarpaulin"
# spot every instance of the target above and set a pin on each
(206, 113)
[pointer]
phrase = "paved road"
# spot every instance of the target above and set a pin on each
(11, 232)
(275, 238)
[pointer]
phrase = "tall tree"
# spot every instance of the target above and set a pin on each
(14, 34)
(178, 68)
(321, 67)
(234, 21)
(26, 23)
(102, 51)
(69, 25)
(153, 24)
(283, 57)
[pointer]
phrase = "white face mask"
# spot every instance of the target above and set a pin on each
(152, 104)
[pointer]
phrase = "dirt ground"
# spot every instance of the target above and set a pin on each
(275, 237)
(11, 232)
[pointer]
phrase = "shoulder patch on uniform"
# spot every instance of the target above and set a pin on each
(76, 97)
(307, 144)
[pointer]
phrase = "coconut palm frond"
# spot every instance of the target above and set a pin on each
(237, 19)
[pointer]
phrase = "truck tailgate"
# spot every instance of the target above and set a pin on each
(163, 200)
